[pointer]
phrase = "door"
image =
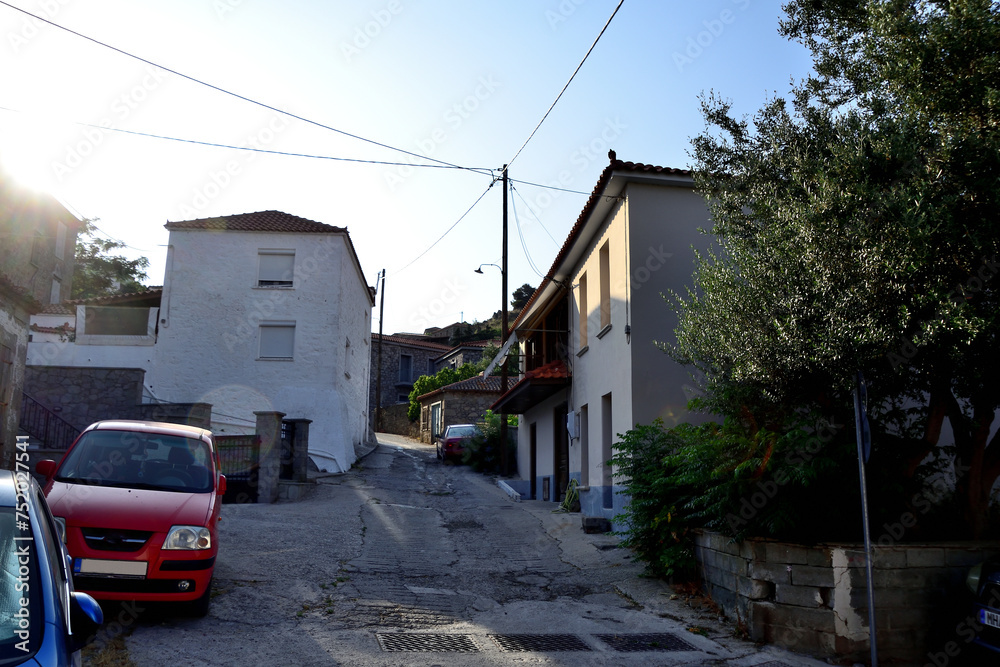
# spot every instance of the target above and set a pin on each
(436, 428)
(560, 444)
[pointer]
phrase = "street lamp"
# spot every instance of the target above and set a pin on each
(480, 269)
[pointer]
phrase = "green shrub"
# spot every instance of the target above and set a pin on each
(482, 452)
(732, 478)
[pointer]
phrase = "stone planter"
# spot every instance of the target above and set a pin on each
(813, 599)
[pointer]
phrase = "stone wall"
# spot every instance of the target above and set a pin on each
(814, 599)
(395, 420)
(83, 396)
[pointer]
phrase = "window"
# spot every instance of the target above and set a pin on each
(405, 368)
(605, 285)
(55, 295)
(60, 241)
(582, 302)
(38, 248)
(277, 340)
(275, 268)
(6, 373)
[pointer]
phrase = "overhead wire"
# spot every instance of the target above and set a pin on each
(447, 231)
(480, 170)
(524, 245)
(533, 215)
(229, 92)
(552, 106)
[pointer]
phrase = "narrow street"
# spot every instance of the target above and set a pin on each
(407, 561)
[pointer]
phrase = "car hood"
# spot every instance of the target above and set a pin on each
(128, 509)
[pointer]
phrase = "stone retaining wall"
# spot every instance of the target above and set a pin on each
(395, 421)
(814, 599)
(83, 396)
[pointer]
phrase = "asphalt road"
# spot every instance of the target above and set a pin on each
(407, 561)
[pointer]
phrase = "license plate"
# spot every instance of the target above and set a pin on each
(135, 569)
(990, 618)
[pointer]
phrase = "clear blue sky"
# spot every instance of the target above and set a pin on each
(464, 82)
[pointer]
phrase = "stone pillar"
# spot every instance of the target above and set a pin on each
(300, 450)
(269, 431)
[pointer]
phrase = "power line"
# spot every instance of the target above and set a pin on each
(479, 170)
(509, 162)
(447, 231)
(228, 92)
(550, 187)
(537, 219)
(524, 245)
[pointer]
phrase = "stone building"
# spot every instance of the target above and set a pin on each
(404, 359)
(462, 402)
(37, 244)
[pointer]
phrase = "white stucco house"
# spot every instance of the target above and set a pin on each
(261, 311)
(591, 367)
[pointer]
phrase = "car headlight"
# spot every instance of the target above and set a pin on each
(61, 527)
(188, 538)
(972, 581)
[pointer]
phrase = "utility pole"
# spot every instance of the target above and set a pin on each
(378, 371)
(504, 467)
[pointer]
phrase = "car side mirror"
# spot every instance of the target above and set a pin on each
(85, 618)
(222, 485)
(46, 468)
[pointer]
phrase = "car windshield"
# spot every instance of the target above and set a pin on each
(135, 459)
(461, 431)
(21, 615)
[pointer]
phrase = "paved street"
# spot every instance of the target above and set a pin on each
(406, 561)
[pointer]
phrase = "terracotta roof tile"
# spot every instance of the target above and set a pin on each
(261, 221)
(474, 385)
(57, 309)
(412, 342)
(151, 293)
(550, 371)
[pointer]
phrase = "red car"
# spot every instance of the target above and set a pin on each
(451, 444)
(139, 503)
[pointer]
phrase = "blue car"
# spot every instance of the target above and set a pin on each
(43, 621)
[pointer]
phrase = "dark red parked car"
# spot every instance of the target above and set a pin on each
(139, 503)
(451, 443)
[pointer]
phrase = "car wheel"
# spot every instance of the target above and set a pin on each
(199, 608)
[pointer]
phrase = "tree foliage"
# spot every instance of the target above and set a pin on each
(858, 230)
(447, 375)
(521, 296)
(97, 272)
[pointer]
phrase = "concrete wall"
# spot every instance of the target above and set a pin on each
(814, 599)
(208, 346)
(664, 227)
(50, 349)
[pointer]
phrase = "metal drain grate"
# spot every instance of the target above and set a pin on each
(649, 642)
(426, 643)
(773, 663)
(541, 643)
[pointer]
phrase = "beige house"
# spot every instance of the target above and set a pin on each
(591, 364)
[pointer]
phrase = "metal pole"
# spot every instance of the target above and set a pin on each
(504, 334)
(861, 431)
(378, 371)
